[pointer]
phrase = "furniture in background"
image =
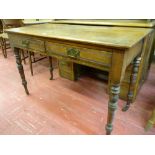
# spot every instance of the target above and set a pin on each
(12, 23)
(4, 44)
(72, 72)
(107, 48)
(36, 21)
(4, 40)
(151, 121)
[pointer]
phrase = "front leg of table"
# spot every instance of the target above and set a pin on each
(133, 78)
(112, 106)
(116, 75)
(20, 69)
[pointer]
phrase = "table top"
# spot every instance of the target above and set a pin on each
(122, 37)
(32, 21)
(110, 22)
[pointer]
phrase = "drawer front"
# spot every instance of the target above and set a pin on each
(79, 53)
(27, 43)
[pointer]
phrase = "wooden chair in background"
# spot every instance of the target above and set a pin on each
(3, 40)
(6, 24)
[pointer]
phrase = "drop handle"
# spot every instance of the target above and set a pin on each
(25, 43)
(73, 52)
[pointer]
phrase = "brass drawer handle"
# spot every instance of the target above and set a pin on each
(25, 43)
(73, 53)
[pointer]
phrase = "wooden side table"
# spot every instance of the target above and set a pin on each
(108, 48)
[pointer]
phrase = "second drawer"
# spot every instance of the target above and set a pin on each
(80, 53)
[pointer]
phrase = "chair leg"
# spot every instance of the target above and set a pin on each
(3, 47)
(30, 62)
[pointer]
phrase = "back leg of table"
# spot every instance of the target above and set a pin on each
(51, 67)
(23, 56)
(30, 62)
(133, 78)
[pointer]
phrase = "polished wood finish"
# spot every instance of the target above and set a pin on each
(119, 42)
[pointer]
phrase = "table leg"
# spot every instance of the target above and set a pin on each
(51, 67)
(112, 106)
(20, 69)
(133, 78)
(30, 62)
(23, 56)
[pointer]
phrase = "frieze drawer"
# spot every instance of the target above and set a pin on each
(80, 53)
(29, 43)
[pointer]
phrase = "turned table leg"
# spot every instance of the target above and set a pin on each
(51, 67)
(112, 106)
(20, 69)
(30, 62)
(133, 78)
(23, 56)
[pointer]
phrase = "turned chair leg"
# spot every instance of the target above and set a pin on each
(3, 46)
(133, 79)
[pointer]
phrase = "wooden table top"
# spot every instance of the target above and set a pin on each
(109, 22)
(122, 37)
(32, 21)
